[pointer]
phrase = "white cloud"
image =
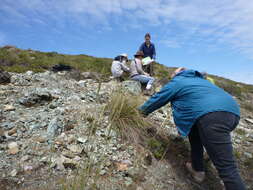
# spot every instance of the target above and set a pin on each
(223, 22)
(171, 43)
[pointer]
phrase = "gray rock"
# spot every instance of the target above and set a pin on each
(19, 80)
(53, 105)
(37, 126)
(54, 128)
(102, 172)
(249, 120)
(39, 96)
(5, 77)
(91, 75)
(82, 140)
(128, 181)
(133, 87)
(13, 173)
(29, 73)
(248, 155)
(82, 83)
(7, 125)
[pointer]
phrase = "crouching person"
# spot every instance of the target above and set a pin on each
(119, 66)
(137, 73)
(207, 115)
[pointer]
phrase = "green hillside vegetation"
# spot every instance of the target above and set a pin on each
(16, 60)
(13, 59)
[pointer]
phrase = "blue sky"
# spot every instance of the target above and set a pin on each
(207, 35)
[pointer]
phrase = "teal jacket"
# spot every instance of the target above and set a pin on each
(191, 97)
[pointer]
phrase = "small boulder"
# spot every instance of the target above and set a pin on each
(250, 121)
(5, 77)
(54, 128)
(9, 108)
(13, 173)
(134, 87)
(91, 75)
(39, 96)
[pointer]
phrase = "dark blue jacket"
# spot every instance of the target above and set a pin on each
(191, 97)
(148, 51)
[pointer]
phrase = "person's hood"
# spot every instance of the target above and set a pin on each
(190, 73)
(118, 58)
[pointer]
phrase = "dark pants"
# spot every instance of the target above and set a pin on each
(213, 132)
(149, 69)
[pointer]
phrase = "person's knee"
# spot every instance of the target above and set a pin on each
(229, 173)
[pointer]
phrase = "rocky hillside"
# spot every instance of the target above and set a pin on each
(58, 131)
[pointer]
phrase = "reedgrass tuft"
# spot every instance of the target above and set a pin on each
(125, 117)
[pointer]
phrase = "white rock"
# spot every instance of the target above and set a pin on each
(14, 173)
(28, 168)
(249, 120)
(24, 158)
(13, 148)
(82, 83)
(9, 108)
(30, 72)
(82, 140)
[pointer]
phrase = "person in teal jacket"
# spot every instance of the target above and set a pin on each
(206, 114)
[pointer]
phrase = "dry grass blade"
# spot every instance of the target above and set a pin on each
(125, 117)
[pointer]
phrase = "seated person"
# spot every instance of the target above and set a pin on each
(119, 66)
(137, 73)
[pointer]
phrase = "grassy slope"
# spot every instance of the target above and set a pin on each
(16, 60)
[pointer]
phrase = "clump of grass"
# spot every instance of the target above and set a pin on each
(125, 117)
(241, 132)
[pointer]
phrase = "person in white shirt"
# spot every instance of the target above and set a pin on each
(119, 66)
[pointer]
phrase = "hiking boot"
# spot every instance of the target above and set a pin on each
(197, 176)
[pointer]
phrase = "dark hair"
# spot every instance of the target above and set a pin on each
(120, 58)
(148, 35)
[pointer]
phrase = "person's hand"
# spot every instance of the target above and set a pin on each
(177, 71)
(147, 74)
(142, 113)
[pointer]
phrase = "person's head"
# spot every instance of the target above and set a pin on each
(178, 70)
(147, 38)
(124, 57)
(204, 74)
(139, 55)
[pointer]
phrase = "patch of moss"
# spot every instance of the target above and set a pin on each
(240, 132)
(237, 154)
(249, 163)
(157, 148)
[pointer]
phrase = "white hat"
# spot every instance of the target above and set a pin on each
(123, 55)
